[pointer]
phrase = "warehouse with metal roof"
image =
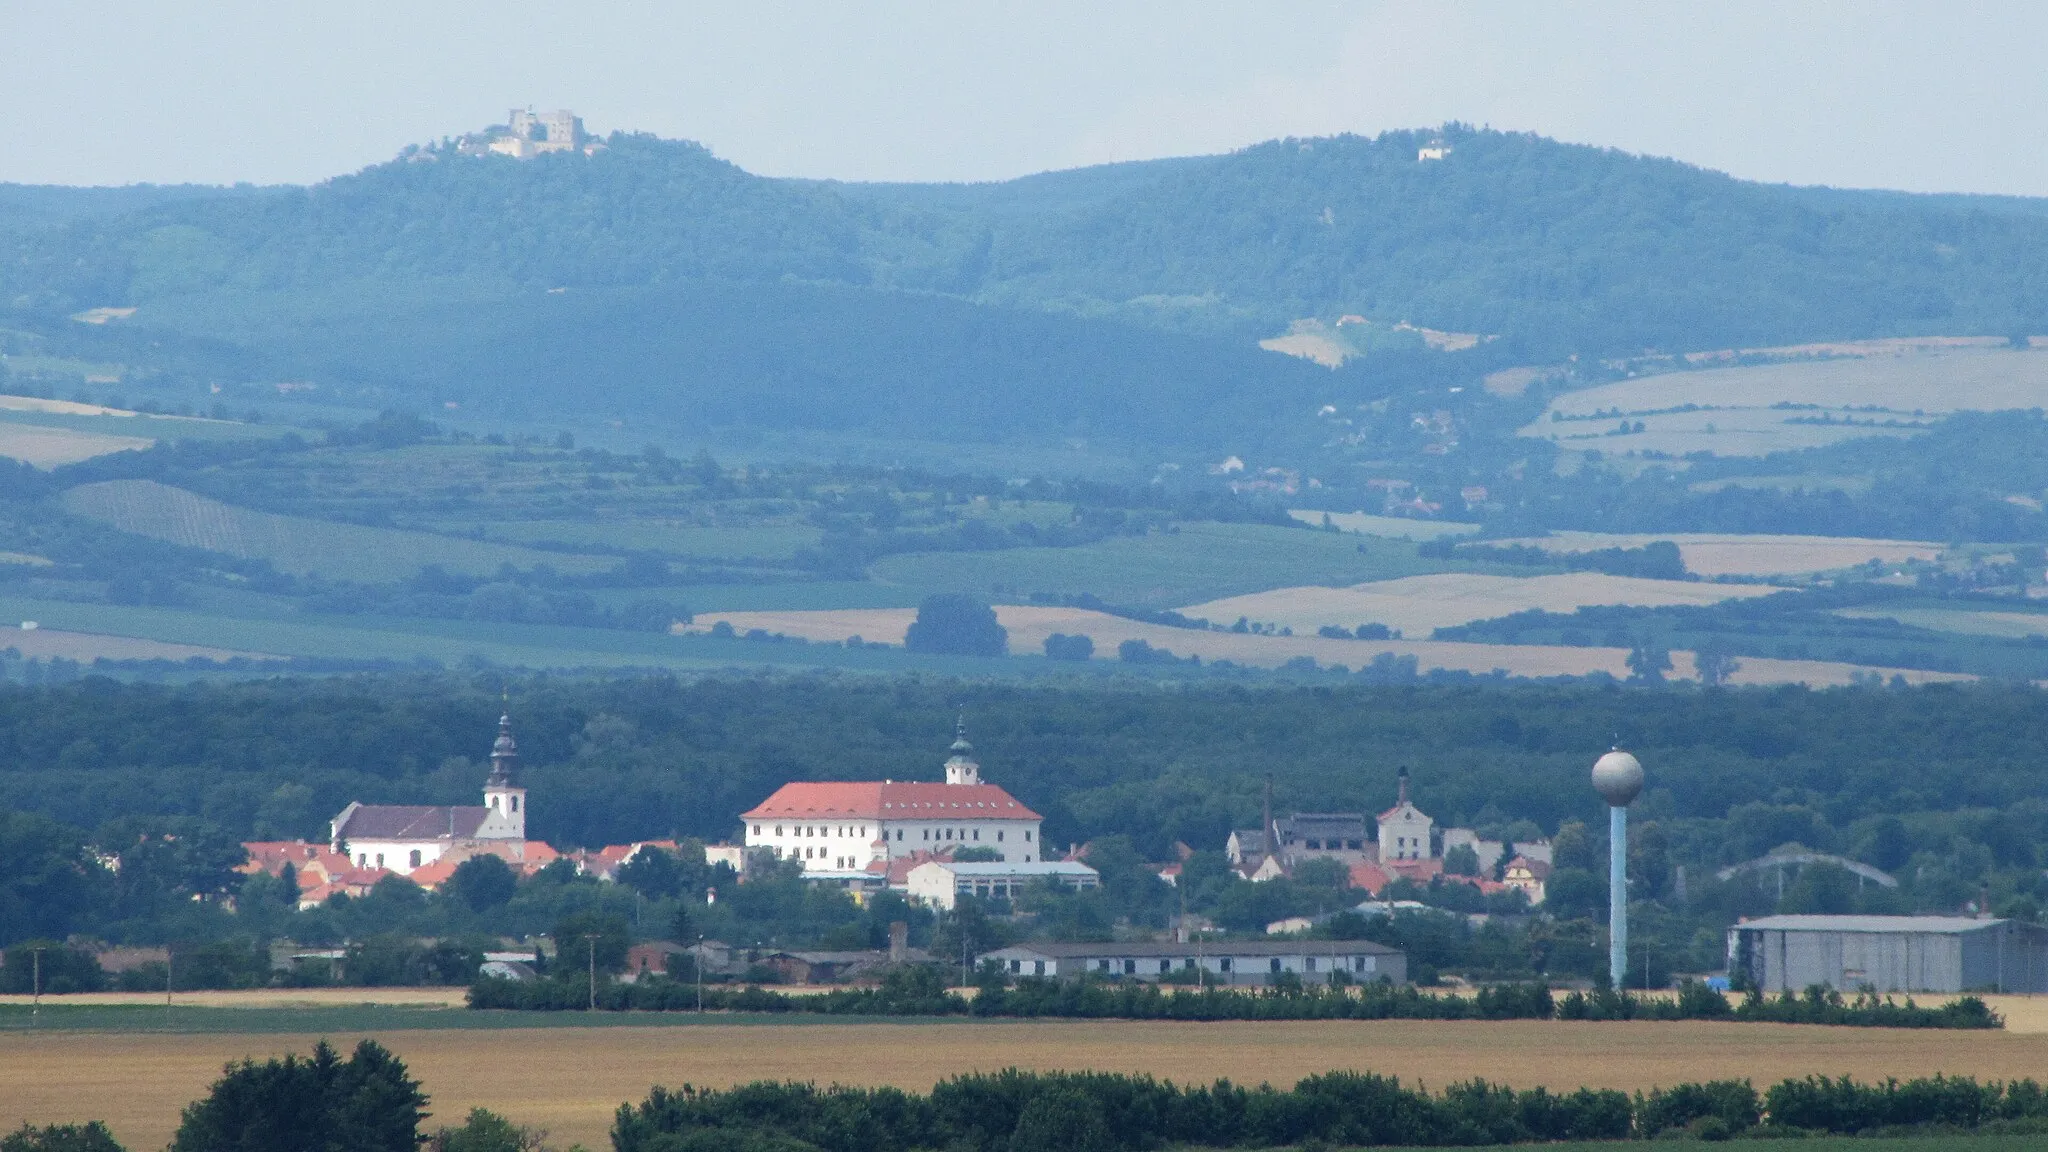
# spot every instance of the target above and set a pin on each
(1890, 953)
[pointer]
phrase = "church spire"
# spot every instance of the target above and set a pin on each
(504, 754)
(960, 766)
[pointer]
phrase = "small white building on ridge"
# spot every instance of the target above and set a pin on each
(850, 830)
(941, 883)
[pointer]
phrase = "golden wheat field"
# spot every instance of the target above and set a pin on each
(54, 447)
(570, 1080)
(1029, 625)
(45, 643)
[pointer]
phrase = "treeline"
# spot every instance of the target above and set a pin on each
(920, 990)
(1657, 560)
(1016, 1111)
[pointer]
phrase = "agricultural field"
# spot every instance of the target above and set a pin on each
(47, 447)
(2004, 625)
(1189, 563)
(1758, 409)
(1732, 554)
(1392, 527)
(1416, 605)
(295, 544)
(1029, 625)
(675, 538)
(52, 643)
(569, 1080)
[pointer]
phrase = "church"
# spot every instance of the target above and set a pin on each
(404, 838)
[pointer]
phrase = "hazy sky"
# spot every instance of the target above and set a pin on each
(1924, 96)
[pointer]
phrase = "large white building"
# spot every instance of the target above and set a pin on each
(850, 830)
(403, 837)
(1404, 829)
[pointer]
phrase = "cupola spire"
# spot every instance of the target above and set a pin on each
(960, 766)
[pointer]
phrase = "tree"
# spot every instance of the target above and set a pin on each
(366, 1103)
(91, 1136)
(1713, 661)
(572, 949)
(63, 969)
(1322, 872)
(1062, 1119)
(1462, 860)
(956, 624)
(1573, 848)
(655, 872)
(482, 882)
(1648, 662)
(1060, 646)
(486, 1131)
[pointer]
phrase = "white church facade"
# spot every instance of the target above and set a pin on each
(851, 830)
(403, 838)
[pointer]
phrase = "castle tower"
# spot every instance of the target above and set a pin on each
(504, 800)
(960, 766)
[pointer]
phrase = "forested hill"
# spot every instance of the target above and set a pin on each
(1567, 248)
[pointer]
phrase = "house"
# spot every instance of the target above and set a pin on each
(656, 956)
(402, 838)
(1404, 830)
(1218, 961)
(1890, 953)
(837, 967)
(1528, 877)
(849, 832)
(940, 883)
(321, 872)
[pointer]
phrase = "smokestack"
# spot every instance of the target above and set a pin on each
(1270, 832)
(899, 941)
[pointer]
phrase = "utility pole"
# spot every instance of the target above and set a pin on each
(699, 966)
(590, 938)
(35, 1010)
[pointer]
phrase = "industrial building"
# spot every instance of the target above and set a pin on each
(1225, 962)
(1890, 953)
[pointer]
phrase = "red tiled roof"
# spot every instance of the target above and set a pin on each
(1369, 876)
(308, 860)
(876, 800)
(432, 876)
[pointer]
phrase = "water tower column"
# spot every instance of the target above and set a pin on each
(1618, 777)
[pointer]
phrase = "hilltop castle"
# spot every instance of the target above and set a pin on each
(526, 134)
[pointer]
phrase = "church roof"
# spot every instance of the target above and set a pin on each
(889, 800)
(411, 822)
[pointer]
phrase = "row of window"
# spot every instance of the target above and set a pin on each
(1333, 845)
(819, 830)
(363, 859)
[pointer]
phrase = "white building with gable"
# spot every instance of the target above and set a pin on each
(850, 830)
(1404, 829)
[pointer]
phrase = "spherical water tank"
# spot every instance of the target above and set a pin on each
(1618, 777)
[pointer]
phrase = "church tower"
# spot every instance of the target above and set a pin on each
(960, 766)
(504, 801)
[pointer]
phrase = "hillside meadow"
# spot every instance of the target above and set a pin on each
(570, 1080)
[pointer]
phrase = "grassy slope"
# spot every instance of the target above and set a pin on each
(295, 544)
(1165, 570)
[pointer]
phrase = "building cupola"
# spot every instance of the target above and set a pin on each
(960, 766)
(504, 800)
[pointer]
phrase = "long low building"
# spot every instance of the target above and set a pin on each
(1890, 954)
(941, 883)
(1226, 962)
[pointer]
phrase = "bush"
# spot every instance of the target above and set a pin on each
(88, 1137)
(1060, 646)
(366, 1103)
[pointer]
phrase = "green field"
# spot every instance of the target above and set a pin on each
(690, 541)
(1196, 562)
(295, 544)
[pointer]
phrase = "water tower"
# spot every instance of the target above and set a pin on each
(1618, 777)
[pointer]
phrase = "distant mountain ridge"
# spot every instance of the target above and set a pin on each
(1569, 248)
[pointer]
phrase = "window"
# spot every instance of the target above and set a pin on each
(757, 829)
(1308, 964)
(1027, 835)
(1038, 967)
(1165, 966)
(1274, 963)
(999, 836)
(1358, 963)
(1027, 857)
(380, 859)
(1188, 962)
(1223, 965)
(899, 833)
(362, 859)
(1016, 965)
(515, 803)
(927, 833)
(949, 833)
(778, 829)
(1130, 967)
(1102, 965)
(977, 833)
(415, 858)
